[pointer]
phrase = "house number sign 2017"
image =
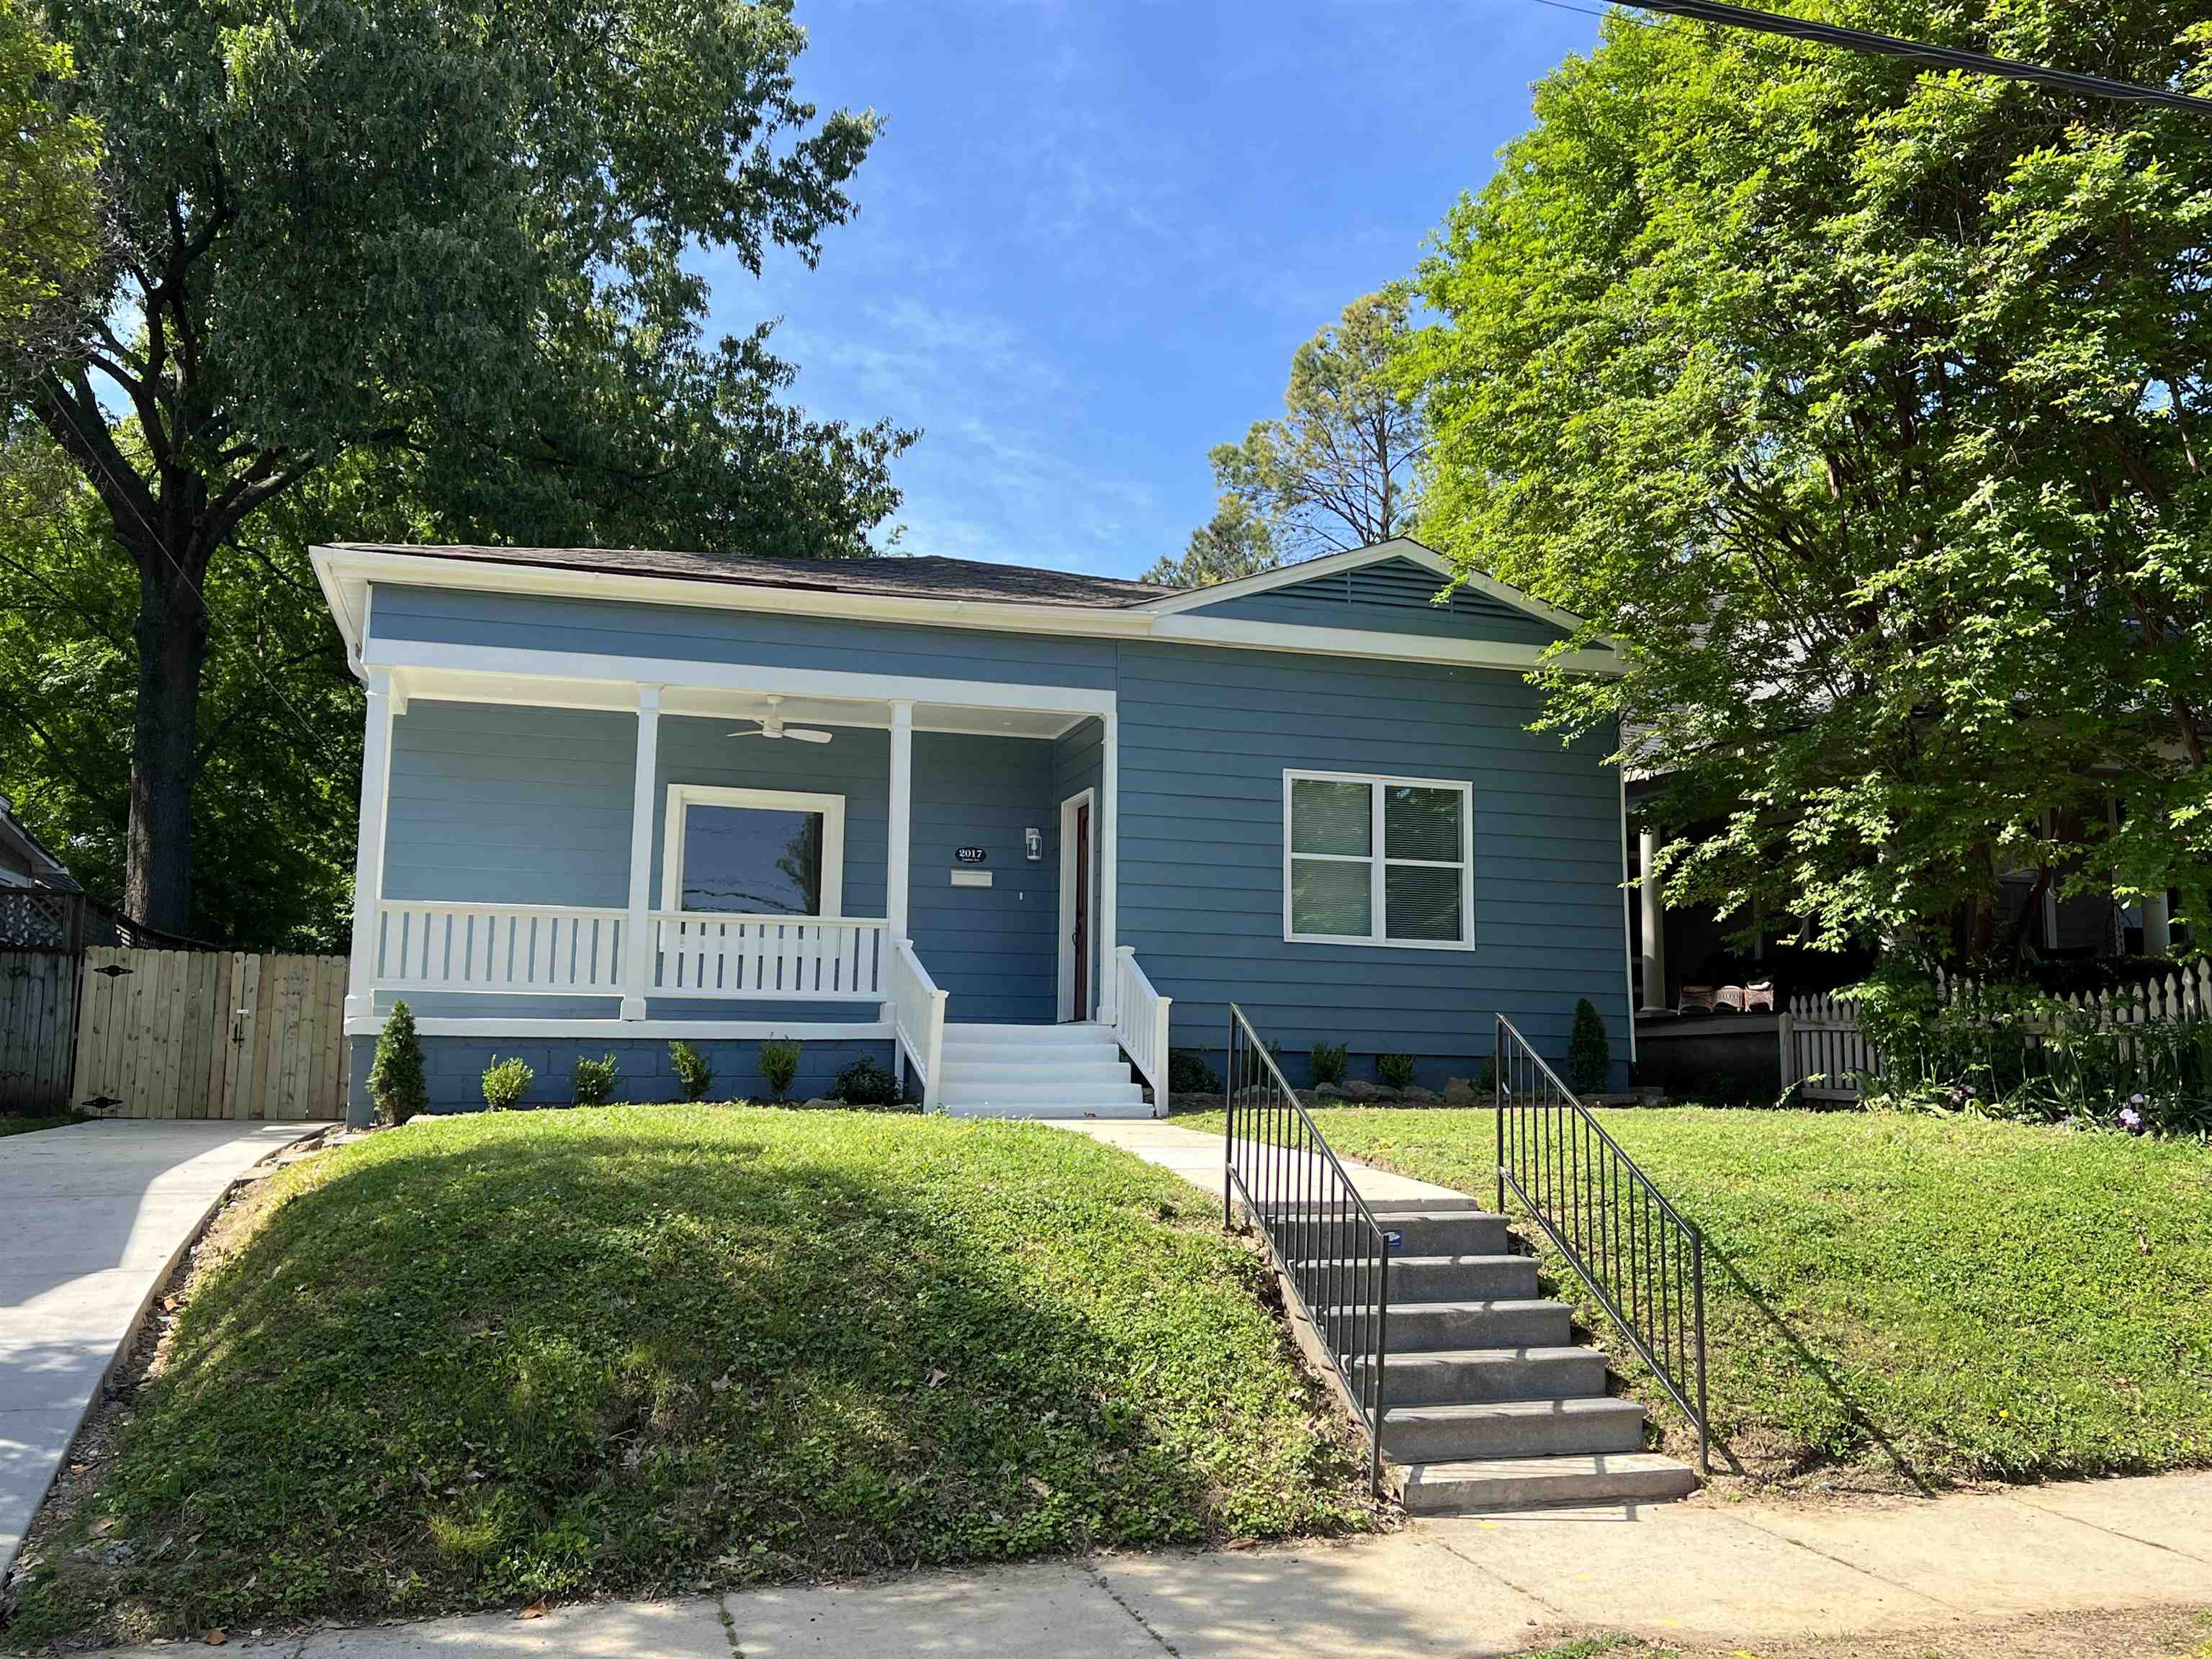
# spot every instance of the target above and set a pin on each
(968, 854)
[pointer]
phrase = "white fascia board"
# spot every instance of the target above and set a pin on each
(418, 570)
(1331, 564)
(703, 1026)
(672, 671)
(346, 574)
(1511, 655)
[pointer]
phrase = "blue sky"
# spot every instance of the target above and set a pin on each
(1092, 235)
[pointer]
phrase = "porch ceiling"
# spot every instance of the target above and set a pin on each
(708, 702)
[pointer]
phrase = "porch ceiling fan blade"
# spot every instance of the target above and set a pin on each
(807, 734)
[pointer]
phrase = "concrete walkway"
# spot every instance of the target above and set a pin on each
(97, 1214)
(1705, 1574)
(1197, 1156)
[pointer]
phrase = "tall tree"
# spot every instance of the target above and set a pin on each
(447, 235)
(1342, 467)
(1865, 409)
(1235, 542)
(49, 192)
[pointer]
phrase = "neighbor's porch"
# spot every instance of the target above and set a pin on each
(572, 859)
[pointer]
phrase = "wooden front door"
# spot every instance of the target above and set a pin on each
(1081, 936)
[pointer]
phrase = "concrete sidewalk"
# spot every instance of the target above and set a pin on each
(1701, 1573)
(97, 1214)
(1197, 1158)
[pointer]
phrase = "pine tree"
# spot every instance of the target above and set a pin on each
(395, 1080)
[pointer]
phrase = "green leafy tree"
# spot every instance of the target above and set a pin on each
(1342, 467)
(49, 192)
(1235, 542)
(1864, 408)
(444, 241)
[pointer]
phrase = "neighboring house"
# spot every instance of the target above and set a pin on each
(925, 810)
(23, 862)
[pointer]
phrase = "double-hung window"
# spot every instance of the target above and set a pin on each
(753, 852)
(1378, 861)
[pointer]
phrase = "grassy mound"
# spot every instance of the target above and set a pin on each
(1927, 1299)
(482, 1360)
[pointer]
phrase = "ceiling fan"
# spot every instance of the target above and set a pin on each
(772, 726)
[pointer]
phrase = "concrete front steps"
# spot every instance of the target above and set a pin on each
(1070, 1071)
(1488, 1403)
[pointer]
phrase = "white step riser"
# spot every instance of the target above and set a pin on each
(1032, 1035)
(1128, 1095)
(1046, 1111)
(1101, 1059)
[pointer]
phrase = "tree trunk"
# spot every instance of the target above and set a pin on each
(172, 632)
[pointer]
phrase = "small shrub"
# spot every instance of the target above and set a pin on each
(779, 1064)
(864, 1083)
(1590, 1059)
(593, 1082)
(395, 1080)
(694, 1076)
(1328, 1061)
(1187, 1074)
(1486, 1080)
(1395, 1070)
(505, 1082)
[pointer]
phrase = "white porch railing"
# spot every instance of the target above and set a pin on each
(918, 1016)
(757, 957)
(422, 945)
(1140, 1024)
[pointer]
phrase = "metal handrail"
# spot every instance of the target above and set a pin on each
(1604, 1214)
(1329, 1247)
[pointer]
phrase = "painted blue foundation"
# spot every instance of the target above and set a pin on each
(454, 1068)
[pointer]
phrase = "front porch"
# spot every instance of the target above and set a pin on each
(582, 859)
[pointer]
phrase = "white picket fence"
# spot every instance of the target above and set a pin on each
(1824, 1055)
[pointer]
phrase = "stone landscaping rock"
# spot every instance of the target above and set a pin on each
(821, 1103)
(1367, 1094)
(1415, 1095)
(1460, 1091)
(1330, 1092)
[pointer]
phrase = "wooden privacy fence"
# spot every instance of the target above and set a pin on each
(37, 1023)
(1827, 1057)
(212, 1034)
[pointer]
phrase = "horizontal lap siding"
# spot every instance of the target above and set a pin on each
(991, 949)
(1206, 737)
(604, 628)
(1395, 596)
(497, 805)
(854, 764)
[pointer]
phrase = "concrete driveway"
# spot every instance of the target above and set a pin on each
(96, 1216)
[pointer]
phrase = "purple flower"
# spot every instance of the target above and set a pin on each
(2131, 1119)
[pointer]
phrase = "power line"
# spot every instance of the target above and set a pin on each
(1918, 51)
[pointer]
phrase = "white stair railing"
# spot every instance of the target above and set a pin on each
(1140, 1024)
(916, 1008)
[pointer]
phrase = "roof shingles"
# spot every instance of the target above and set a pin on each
(949, 580)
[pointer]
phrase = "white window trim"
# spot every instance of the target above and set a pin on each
(1379, 860)
(832, 808)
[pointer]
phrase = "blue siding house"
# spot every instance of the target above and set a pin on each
(1010, 832)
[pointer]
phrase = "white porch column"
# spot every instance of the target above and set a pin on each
(1654, 924)
(2158, 924)
(637, 928)
(1109, 865)
(368, 843)
(897, 867)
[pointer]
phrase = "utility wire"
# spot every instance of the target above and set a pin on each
(1918, 51)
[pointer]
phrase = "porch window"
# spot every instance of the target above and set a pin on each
(1378, 861)
(753, 852)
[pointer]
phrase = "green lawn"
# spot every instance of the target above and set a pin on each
(11, 1125)
(1926, 1299)
(482, 1359)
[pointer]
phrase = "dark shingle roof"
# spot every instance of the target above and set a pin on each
(949, 579)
